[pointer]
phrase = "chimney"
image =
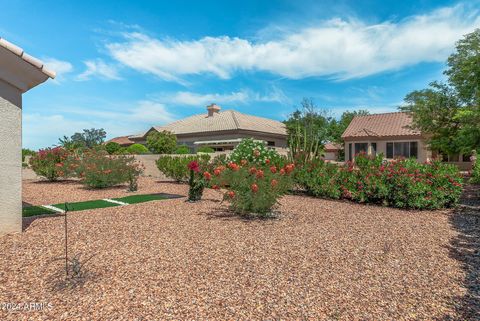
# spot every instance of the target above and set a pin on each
(212, 109)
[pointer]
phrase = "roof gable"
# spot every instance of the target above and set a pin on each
(381, 125)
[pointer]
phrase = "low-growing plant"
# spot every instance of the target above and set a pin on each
(112, 147)
(205, 149)
(182, 149)
(97, 169)
(254, 152)
(253, 190)
(402, 183)
(51, 163)
(175, 167)
(137, 149)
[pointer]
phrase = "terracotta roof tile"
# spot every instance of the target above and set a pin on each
(381, 125)
(331, 147)
(223, 121)
(122, 140)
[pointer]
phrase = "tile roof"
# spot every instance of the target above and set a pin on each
(122, 140)
(331, 147)
(381, 125)
(26, 57)
(224, 121)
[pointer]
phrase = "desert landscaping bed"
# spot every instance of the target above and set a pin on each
(320, 259)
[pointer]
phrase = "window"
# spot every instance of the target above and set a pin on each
(374, 148)
(389, 150)
(466, 157)
(270, 143)
(361, 147)
(350, 152)
(402, 149)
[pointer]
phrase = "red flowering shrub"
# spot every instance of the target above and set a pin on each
(52, 163)
(97, 169)
(252, 190)
(399, 183)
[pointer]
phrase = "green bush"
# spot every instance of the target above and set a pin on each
(182, 149)
(253, 190)
(27, 152)
(52, 163)
(137, 149)
(112, 147)
(176, 167)
(475, 177)
(254, 152)
(205, 149)
(96, 169)
(398, 183)
(163, 142)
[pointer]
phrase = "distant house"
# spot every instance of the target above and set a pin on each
(123, 141)
(391, 134)
(331, 151)
(221, 130)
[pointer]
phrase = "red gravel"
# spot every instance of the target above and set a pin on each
(172, 259)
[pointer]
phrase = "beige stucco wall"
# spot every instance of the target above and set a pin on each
(423, 152)
(10, 159)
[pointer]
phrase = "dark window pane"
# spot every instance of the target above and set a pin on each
(414, 149)
(350, 151)
(360, 147)
(466, 157)
(270, 143)
(389, 150)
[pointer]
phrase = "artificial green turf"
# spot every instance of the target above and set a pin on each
(134, 199)
(35, 210)
(87, 205)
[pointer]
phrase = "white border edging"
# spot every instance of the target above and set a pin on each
(114, 201)
(53, 208)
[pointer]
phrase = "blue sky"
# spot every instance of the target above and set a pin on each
(128, 65)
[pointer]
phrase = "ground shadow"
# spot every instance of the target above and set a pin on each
(223, 213)
(465, 248)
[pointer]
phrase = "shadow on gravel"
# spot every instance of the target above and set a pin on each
(465, 248)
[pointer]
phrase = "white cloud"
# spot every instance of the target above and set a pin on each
(239, 97)
(98, 68)
(59, 66)
(40, 128)
(338, 48)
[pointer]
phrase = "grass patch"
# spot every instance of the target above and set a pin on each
(36, 210)
(87, 205)
(134, 199)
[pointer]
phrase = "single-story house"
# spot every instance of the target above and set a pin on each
(220, 130)
(331, 151)
(392, 135)
(123, 141)
(19, 72)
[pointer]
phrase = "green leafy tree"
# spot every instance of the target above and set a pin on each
(88, 139)
(449, 113)
(163, 142)
(338, 127)
(112, 147)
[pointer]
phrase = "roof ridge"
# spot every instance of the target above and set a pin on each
(235, 120)
(387, 113)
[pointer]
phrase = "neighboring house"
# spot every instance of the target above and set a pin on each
(19, 73)
(391, 134)
(221, 130)
(123, 141)
(388, 134)
(331, 151)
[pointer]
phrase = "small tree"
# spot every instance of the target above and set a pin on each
(112, 147)
(137, 149)
(89, 138)
(163, 142)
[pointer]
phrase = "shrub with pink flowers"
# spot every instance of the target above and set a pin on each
(252, 189)
(97, 169)
(51, 163)
(402, 183)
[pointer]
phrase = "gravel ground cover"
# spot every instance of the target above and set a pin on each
(320, 259)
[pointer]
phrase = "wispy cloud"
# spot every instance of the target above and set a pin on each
(39, 128)
(98, 68)
(244, 96)
(60, 67)
(336, 48)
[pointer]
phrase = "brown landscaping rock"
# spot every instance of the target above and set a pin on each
(171, 259)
